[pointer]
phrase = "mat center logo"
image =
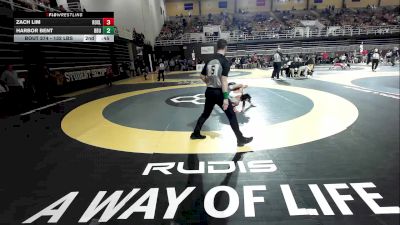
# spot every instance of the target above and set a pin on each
(187, 101)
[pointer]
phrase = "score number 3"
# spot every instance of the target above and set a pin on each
(108, 21)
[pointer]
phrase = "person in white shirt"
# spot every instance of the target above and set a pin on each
(343, 58)
(388, 56)
(9, 78)
(277, 64)
(161, 69)
(375, 60)
(172, 65)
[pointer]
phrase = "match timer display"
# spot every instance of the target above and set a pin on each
(64, 27)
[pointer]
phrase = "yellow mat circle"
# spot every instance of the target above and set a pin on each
(330, 115)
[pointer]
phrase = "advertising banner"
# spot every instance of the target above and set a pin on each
(205, 50)
(72, 79)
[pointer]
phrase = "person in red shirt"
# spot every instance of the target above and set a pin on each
(325, 57)
(109, 75)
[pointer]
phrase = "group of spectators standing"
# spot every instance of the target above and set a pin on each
(292, 66)
(303, 65)
(179, 64)
(250, 62)
(138, 38)
(375, 57)
(38, 86)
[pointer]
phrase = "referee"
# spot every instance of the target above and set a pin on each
(215, 75)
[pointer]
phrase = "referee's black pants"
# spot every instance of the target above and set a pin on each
(375, 63)
(160, 73)
(214, 96)
(277, 69)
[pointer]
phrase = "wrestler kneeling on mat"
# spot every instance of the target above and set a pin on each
(215, 75)
(237, 95)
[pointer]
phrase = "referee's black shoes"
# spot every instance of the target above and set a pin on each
(241, 142)
(244, 140)
(195, 136)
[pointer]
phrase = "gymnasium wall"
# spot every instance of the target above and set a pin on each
(289, 4)
(361, 3)
(176, 7)
(390, 2)
(326, 3)
(130, 14)
(212, 6)
(251, 5)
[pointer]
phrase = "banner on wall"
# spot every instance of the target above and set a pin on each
(188, 6)
(260, 3)
(206, 50)
(73, 74)
(286, 1)
(211, 30)
(223, 4)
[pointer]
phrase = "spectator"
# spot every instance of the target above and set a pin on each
(145, 70)
(53, 4)
(294, 66)
(45, 85)
(325, 57)
(109, 75)
(343, 58)
(138, 38)
(3, 87)
(172, 64)
(166, 65)
(369, 56)
(61, 8)
(161, 69)
(10, 78)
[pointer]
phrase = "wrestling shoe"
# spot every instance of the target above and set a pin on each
(195, 136)
(244, 140)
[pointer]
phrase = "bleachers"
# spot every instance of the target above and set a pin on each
(277, 25)
(296, 47)
(291, 34)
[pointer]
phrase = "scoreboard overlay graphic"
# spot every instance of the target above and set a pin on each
(64, 27)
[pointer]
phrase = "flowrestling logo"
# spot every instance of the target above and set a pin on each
(252, 196)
